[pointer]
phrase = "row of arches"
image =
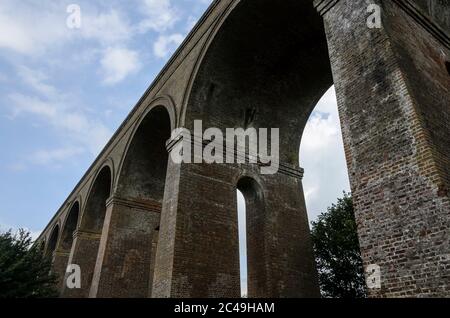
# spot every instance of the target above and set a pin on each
(66, 238)
(120, 236)
(142, 177)
(77, 238)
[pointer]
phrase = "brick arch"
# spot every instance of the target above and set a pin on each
(268, 72)
(53, 240)
(161, 102)
(130, 247)
(93, 213)
(280, 87)
(88, 236)
(70, 225)
(396, 146)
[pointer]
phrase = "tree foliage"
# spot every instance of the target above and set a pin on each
(338, 256)
(24, 270)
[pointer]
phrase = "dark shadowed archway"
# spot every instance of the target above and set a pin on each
(87, 238)
(265, 66)
(134, 212)
(62, 254)
(42, 246)
(143, 173)
(69, 228)
(52, 242)
(95, 210)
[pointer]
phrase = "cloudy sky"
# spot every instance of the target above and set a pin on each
(63, 92)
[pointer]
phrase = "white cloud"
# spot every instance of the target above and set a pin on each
(322, 156)
(167, 44)
(54, 156)
(36, 80)
(31, 28)
(91, 134)
(33, 105)
(110, 27)
(118, 63)
(14, 229)
(60, 112)
(160, 15)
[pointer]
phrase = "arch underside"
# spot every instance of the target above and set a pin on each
(130, 237)
(53, 241)
(69, 227)
(266, 67)
(95, 210)
(143, 172)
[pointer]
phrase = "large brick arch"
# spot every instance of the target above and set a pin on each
(160, 108)
(69, 227)
(265, 63)
(275, 66)
(53, 241)
(237, 75)
(87, 238)
(129, 243)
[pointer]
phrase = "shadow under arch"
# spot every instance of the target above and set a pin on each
(87, 238)
(70, 225)
(266, 65)
(41, 246)
(267, 72)
(160, 103)
(62, 255)
(95, 208)
(143, 169)
(134, 211)
(52, 242)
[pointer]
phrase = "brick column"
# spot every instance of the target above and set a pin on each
(84, 254)
(60, 260)
(123, 264)
(393, 94)
(287, 261)
(198, 251)
(152, 262)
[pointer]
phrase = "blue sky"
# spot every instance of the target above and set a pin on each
(63, 92)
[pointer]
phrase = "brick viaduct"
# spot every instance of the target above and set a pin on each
(140, 225)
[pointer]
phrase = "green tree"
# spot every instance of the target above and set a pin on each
(338, 256)
(24, 270)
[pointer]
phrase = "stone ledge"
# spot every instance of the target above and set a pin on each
(148, 205)
(87, 235)
(284, 168)
(61, 253)
(425, 21)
